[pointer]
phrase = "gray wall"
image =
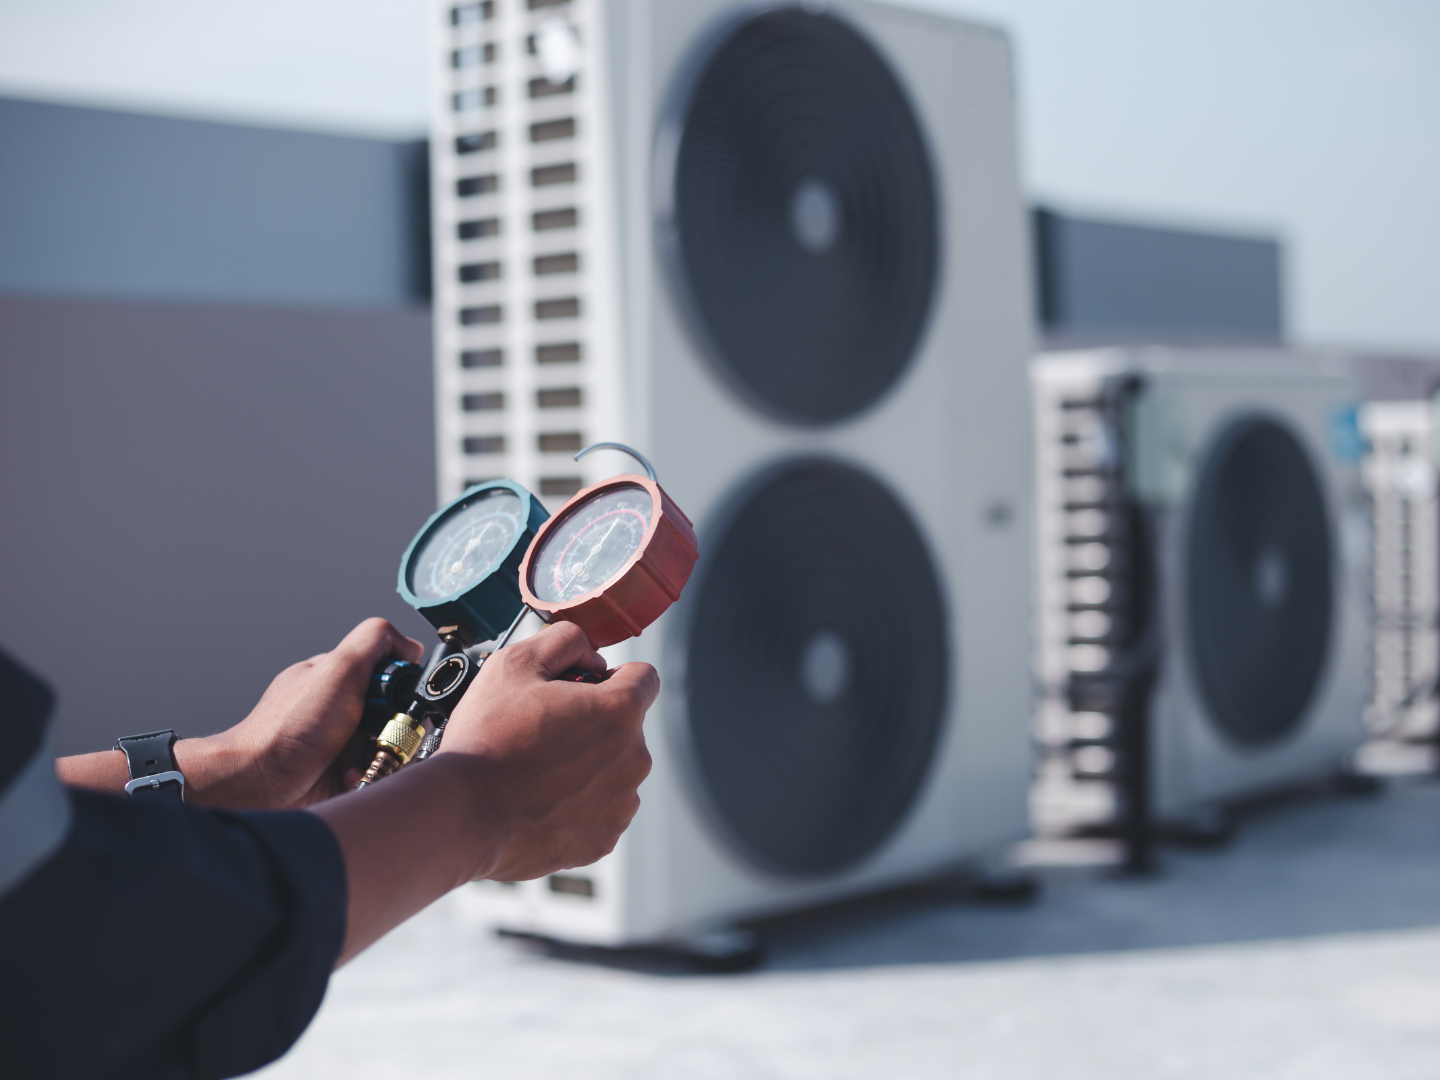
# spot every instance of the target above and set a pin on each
(195, 496)
(1103, 281)
(105, 203)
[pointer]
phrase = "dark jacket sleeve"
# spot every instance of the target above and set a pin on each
(163, 941)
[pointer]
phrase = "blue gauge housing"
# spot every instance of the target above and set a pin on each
(463, 567)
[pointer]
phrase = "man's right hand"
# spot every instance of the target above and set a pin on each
(535, 775)
(559, 763)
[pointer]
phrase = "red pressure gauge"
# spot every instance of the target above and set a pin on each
(614, 557)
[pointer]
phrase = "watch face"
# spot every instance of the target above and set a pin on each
(592, 544)
(466, 545)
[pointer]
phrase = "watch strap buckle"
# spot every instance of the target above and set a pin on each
(156, 782)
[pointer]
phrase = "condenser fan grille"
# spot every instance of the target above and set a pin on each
(816, 667)
(1259, 581)
(805, 216)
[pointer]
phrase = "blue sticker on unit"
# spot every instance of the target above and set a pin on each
(1346, 442)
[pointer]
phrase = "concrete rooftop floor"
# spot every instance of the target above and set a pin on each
(1309, 947)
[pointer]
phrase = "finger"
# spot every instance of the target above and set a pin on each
(371, 642)
(559, 647)
(630, 686)
(407, 648)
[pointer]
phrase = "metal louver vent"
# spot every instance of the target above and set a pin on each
(514, 168)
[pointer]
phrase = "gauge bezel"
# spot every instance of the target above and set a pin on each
(490, 605)
(648, 583)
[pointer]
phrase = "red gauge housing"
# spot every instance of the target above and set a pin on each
(644, 587)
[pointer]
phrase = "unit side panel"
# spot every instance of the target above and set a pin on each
(1400, 477)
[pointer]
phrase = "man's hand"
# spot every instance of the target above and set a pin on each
(287, 751)
(559, 762)
(534, 776)
(284, 754)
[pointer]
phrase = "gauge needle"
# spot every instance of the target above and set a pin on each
(595, 550)
(470, 546)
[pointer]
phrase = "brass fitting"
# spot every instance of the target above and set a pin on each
(396, 745)
(401, 736)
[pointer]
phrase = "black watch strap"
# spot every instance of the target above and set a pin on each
(151, 758)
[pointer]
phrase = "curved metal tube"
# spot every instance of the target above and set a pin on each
(649, 469)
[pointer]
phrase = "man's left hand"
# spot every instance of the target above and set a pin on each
(291, 750)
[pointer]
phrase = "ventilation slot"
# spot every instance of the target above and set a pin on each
(473, 358)
(486, 271)
(545, 220)
(485, 444)
(550, 130)
(475, 316)
(568, 263)
(566, 308)
(465, 14)
(477, 185)
(560, 442)
(548, 175)
(474, 230)
(567, 352)
(473, 144)
(466, 100)
(543, 87)
(483, 402)
(473, 55)
(567, 397)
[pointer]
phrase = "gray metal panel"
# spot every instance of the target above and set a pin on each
(195, 497)
(1105, 281)
(1397, 377)
(105, 203)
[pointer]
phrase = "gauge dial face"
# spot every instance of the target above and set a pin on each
(467, 545)
(586, 550)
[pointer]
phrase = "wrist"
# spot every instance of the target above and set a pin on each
(103, 771)
(215, 773)
(212, 769)
(407, 841)
(458, 795)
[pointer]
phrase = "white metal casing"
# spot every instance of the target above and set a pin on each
(1187, 398)
(951, 439)
(1400, 475)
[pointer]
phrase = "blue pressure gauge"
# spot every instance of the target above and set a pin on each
(462, 569)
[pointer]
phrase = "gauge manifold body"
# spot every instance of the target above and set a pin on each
(462, 567)
(612, 560)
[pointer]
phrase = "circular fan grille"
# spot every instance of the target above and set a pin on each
(1259, 581)
(816, 668)
(804, 216)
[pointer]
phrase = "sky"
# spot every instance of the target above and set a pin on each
(1314, 120)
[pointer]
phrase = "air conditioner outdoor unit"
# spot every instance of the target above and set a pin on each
(781, 250)
(1204, 561)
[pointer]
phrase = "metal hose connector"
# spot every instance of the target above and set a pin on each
(395, 746)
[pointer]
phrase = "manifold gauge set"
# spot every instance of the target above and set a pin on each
(614, 557)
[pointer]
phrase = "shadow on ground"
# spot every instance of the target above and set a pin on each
(1321, 864)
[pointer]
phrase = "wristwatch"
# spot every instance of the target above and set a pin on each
(151, 759)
